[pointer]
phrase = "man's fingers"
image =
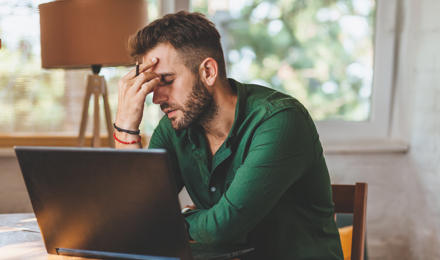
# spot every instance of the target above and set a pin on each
(149, 86)
(191, 206)
(131, 74)
(142, 67)
(143, 77)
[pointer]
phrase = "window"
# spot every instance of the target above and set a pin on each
(320, 52)
(335, 56)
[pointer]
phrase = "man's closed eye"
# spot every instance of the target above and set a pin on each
(166, 79)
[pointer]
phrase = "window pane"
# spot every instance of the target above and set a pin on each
(319, 51)
(36, 100)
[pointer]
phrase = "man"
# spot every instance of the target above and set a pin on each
(249, 157)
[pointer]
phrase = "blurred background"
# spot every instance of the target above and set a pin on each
(368, 72)
(321, 52)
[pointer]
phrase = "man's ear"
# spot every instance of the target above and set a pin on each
(208, 71)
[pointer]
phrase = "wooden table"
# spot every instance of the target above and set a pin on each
(20, 238)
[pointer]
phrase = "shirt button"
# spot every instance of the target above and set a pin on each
(212, 189)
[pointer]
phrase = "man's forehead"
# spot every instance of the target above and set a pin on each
(169, 59)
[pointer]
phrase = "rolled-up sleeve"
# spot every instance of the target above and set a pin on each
(280, 152)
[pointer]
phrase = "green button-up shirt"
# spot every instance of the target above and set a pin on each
(267, 185)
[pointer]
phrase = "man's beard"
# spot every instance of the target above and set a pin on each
(198, 108)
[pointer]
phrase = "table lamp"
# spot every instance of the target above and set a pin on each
(90, 34)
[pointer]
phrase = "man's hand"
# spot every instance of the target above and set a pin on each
(132, 93)
(188, 208)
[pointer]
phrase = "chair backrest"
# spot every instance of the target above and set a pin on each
(353, 199)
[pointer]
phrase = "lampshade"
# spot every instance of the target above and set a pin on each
(80, 33)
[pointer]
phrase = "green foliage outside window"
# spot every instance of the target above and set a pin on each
(319, 51)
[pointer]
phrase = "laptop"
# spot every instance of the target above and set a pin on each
(108, 203)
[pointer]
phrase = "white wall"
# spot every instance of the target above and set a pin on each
(403, 219)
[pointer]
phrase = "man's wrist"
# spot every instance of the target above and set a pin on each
(127, 125)
(127, 141)
(128, 131)
(126, 137)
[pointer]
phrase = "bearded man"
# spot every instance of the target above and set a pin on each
(249, 156)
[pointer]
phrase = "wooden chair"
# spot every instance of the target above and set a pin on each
(353, 199)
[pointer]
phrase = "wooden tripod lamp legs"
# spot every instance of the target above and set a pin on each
(96, 86)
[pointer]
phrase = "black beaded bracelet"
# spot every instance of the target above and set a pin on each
(132, 132)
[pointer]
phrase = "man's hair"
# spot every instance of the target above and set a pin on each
(193, 36)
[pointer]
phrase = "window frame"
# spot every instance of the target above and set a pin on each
(378, 127)
(375, 133)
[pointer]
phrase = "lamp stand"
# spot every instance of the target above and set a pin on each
(97, 87)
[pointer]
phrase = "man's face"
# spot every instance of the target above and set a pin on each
(180, 94)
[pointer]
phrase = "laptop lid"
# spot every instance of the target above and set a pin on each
(105, 199)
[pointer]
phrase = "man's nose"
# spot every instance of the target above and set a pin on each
(160, 95)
